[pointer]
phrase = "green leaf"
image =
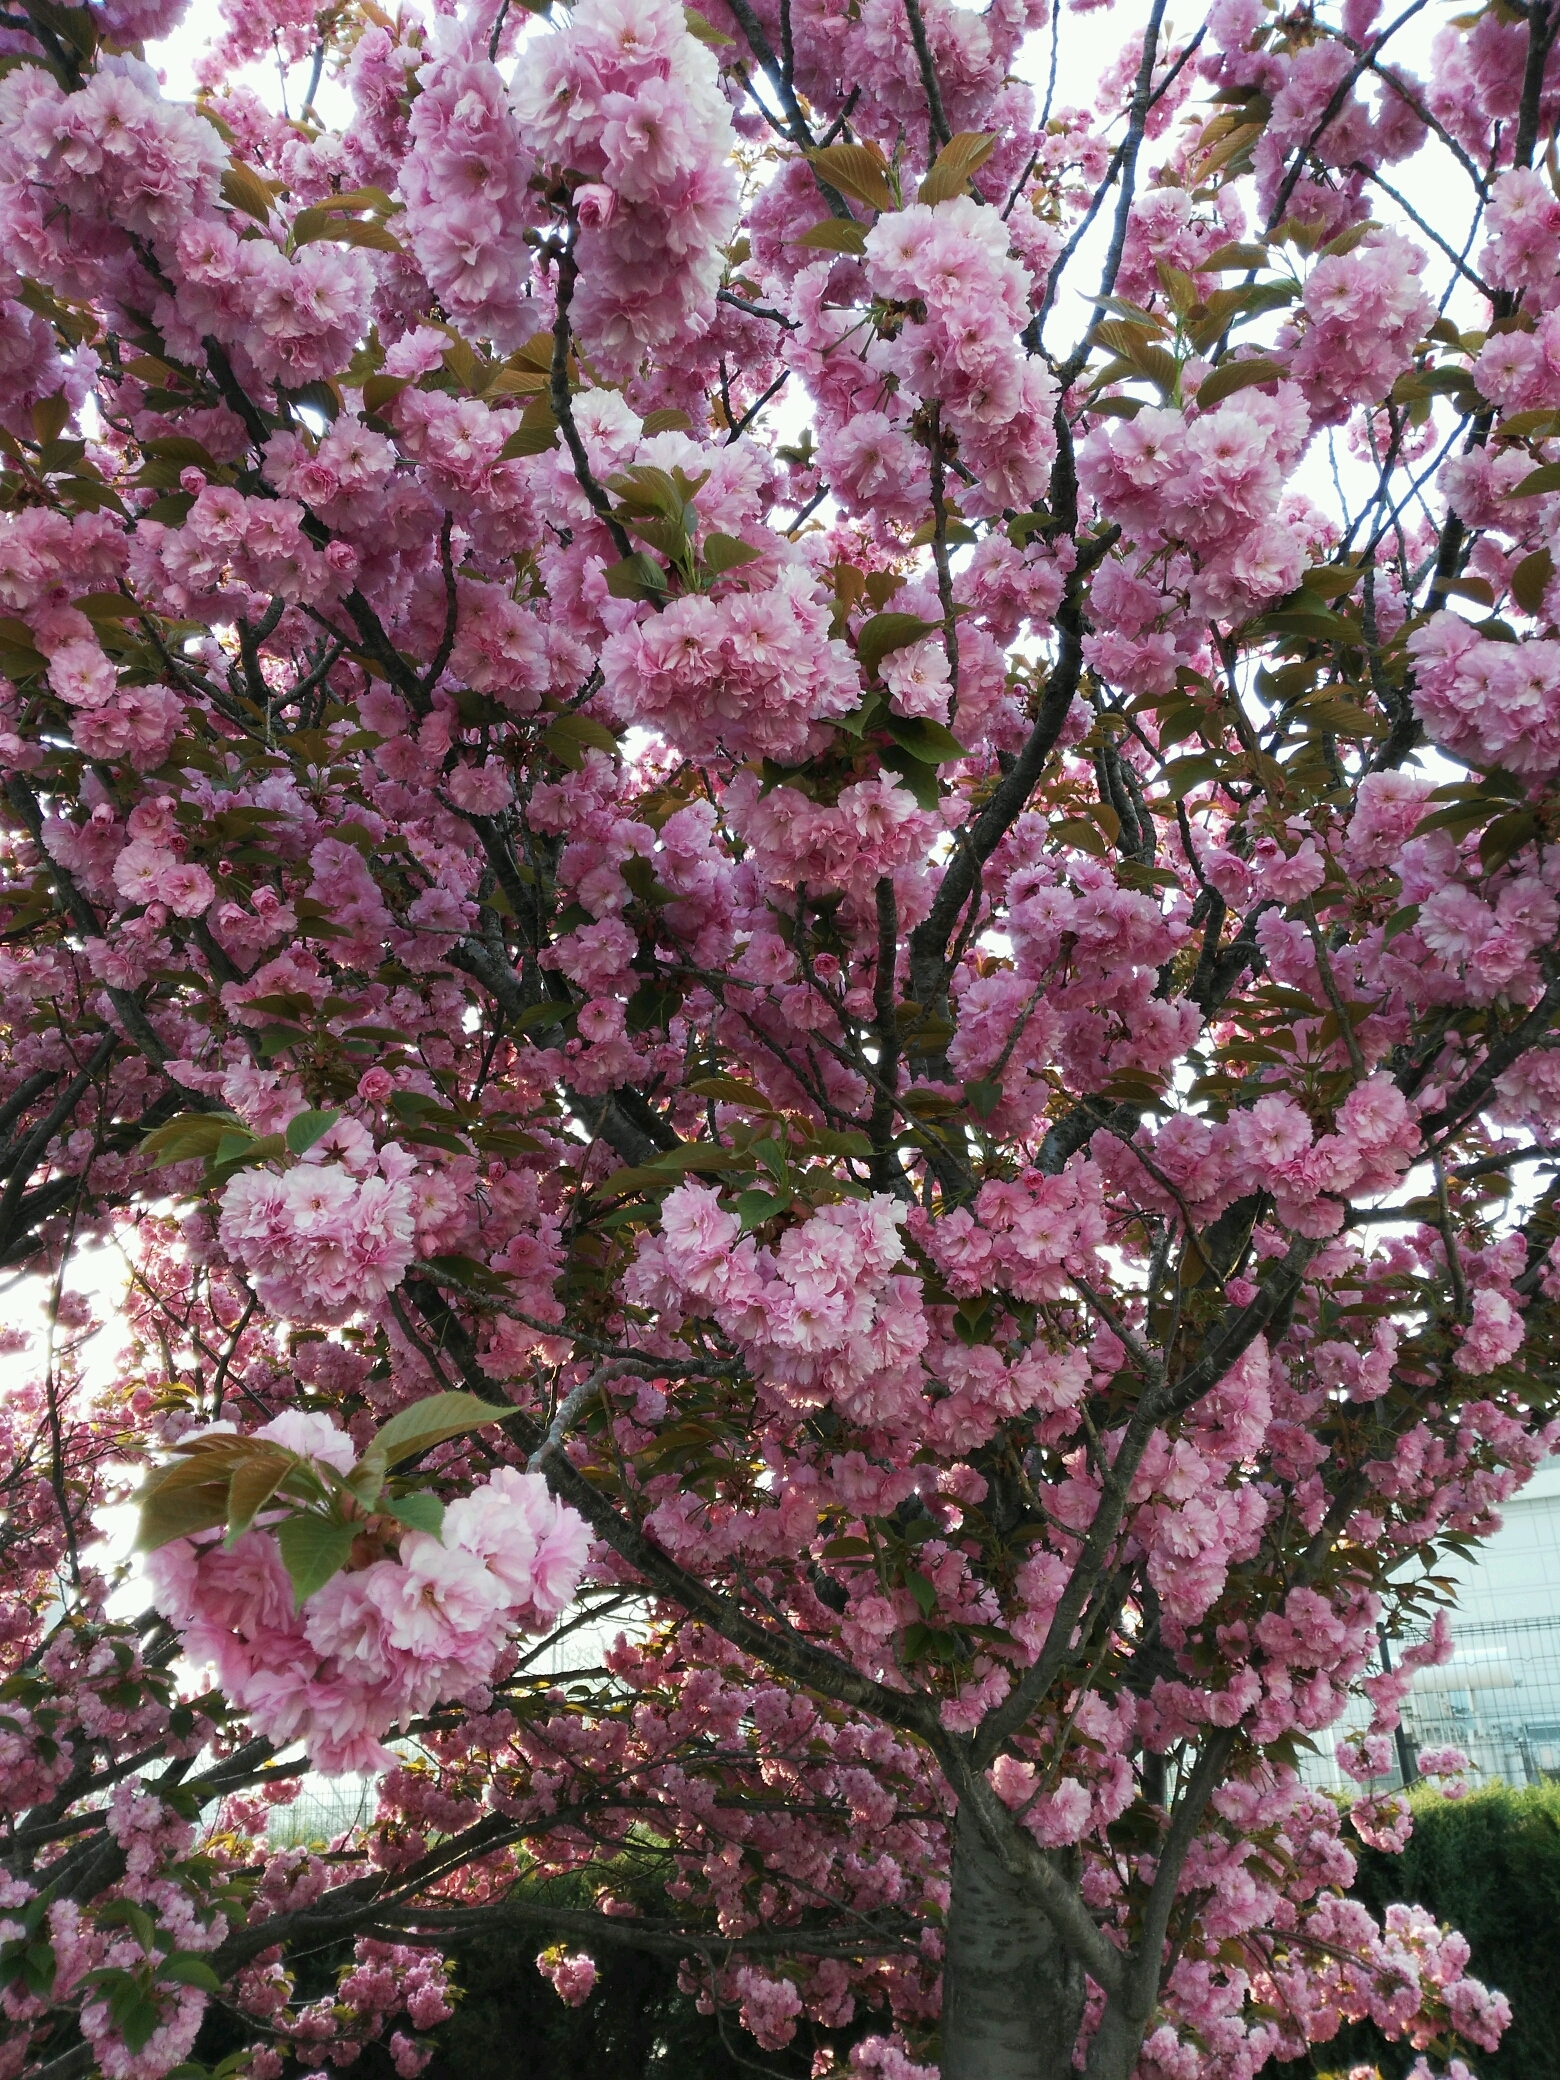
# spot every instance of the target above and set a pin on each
(528, 440)
(172, 510)
(885, 633)
(923, 738)
(652, 1004)
(1530, 581)
(351, 231)
(269, 1146)
(536, 433)
(191, 1493)
(106, 606)
(1506, 837)
(1231, 376)
(835, 235)
(1225, 257)
(915, 775)
(983, 1097)
(39, 1965)
(380, 390)
(1183, 774)
(732, 1090)
(955, 532)
(179, 448)
(1537, 481)
(430, 1422)
(858, 170)
(129, 1913)
(134, 2012)
(635, 577)
(951, 170)
(192, 1134)
(570, 736)
(705, 1157)
(647, 489)
(703, 29)
(1333, 580)
(253, 1484)
(861, 719)
(185, 1968)
(724, 552)
(419, 1511)
(305, 1128)
(1541, 419)
(313, 1549)
(468, 1272)
(242, 188)
(756, 1207)
(232, 1145)
(923, 1590)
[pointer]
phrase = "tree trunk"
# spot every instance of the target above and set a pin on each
(1012, 1996)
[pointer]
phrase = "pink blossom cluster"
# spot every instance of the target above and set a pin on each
(31, 368)
(952, 263)
(1493, 704)
(1365, 311)
(1411, 1957)
(1090, 952)
(1211, 488)
(117, 156)
(318, 1242)
(153, 1841)
(180, 2012)
(1523, 221)
(1049, 996)
(230, 549)
(290, 318)
(464, 185)
(1273, 1147)
(379, 1644)
(1058, 1809)
(625, 96)
(572, 1975)
(768, 2007)
(384, 1981)
(753, 673)
(1030, 1236)
(826, 1312)
(874, 827)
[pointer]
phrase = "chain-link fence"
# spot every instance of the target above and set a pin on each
(325, 1808)
(1497, 1699)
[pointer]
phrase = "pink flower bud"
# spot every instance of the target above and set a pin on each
(595, 205)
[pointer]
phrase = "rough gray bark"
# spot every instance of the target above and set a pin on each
(1012, 1996)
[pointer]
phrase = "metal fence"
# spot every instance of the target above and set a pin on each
(1498, 1699)
(324, 1808)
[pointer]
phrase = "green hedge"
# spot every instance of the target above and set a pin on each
(635, 2026)
(1490, 1865)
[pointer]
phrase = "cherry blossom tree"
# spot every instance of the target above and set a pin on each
(778, 850)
